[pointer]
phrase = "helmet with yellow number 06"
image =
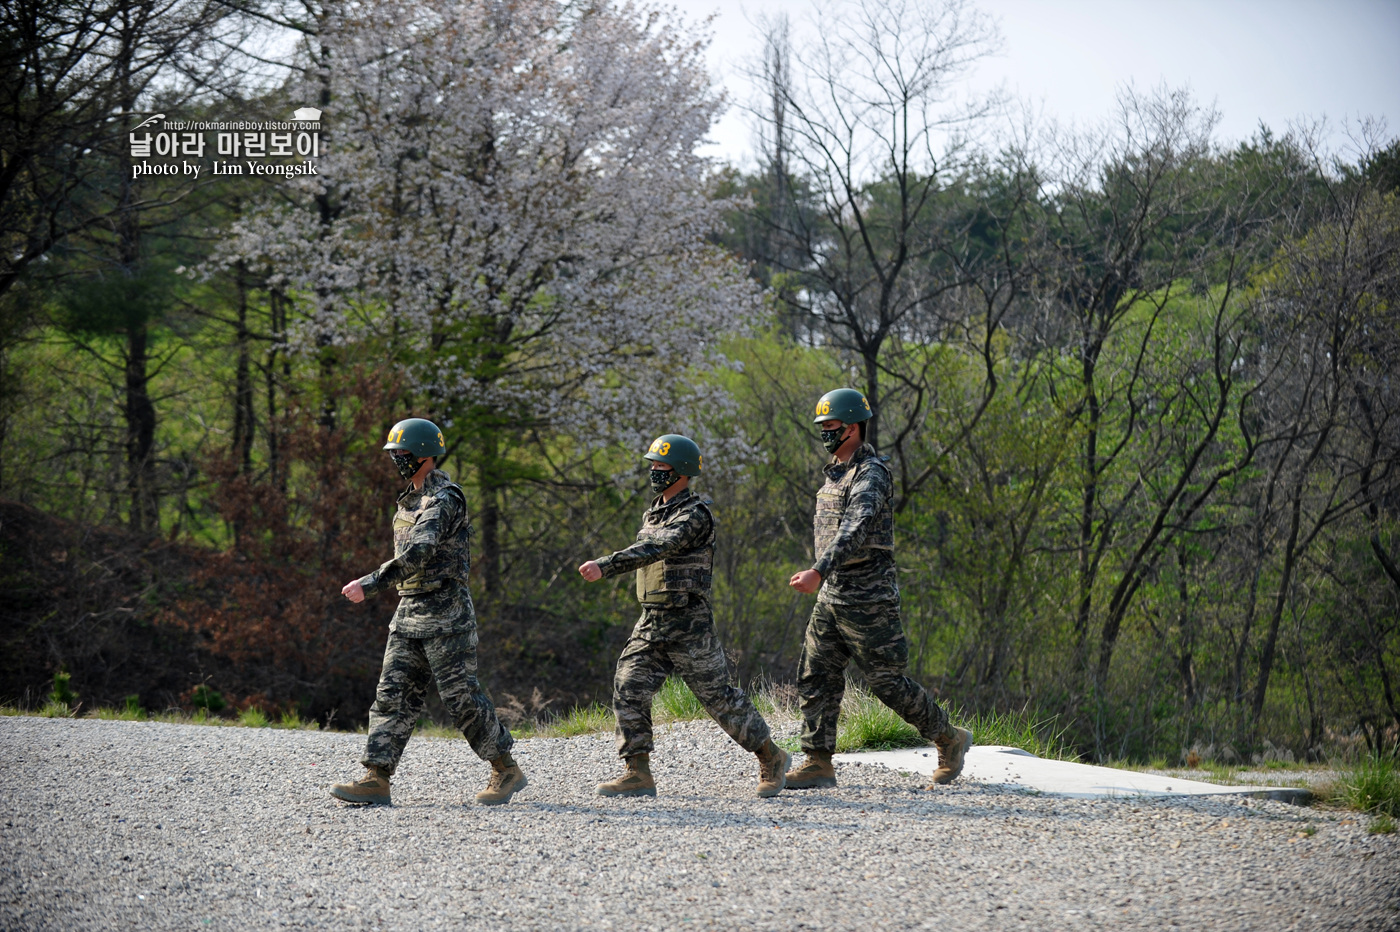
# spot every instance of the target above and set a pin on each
(842, 404)
(680, 453)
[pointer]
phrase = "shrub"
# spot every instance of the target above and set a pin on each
(63, 693)
(206, 700)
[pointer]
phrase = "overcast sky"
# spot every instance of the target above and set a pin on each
(1274, 61)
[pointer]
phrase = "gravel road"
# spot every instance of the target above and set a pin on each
(112, 825)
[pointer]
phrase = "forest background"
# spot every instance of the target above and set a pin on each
(1136, 386)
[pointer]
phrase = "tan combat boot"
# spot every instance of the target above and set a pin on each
(816, 771)
(773, 763)
(373, 787)
(636, 781)
(506, 780)
(952, 753)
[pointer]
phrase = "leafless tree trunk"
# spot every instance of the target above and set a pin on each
(858, 120)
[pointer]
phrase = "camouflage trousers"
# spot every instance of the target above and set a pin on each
(873, 637)
(681, 641)
(409, 665)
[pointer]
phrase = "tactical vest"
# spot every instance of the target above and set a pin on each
(452, 560)
(832, 499)
(665, 581)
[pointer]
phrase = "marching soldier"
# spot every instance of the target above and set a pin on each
(433, 632)
(673, 559)
(856, 617)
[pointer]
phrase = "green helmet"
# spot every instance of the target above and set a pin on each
(680, 453)
(842, 404)
(417, 436)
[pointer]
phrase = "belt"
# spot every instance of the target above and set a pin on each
(431, 585)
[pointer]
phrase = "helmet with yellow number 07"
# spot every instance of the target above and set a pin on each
(680, 453)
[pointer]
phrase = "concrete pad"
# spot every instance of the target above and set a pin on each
(1014, 767)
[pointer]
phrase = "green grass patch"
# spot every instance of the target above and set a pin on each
(1374, 786)
(1043, 737)
(56, 709)
(580, 720)
(252, 717)
(867, 724)
(431, 729)
(674, 702)
(1382, 825)
(130, 712)
(292, 720)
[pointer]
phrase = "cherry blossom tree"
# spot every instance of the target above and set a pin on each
(513, 205)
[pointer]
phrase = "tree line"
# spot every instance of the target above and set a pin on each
(1134, 383)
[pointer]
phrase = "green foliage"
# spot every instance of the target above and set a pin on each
(1381, 825)
(674, 702)
(113, 303)
(290, 719)
(207, 700)
(62, 693)
(53, 709)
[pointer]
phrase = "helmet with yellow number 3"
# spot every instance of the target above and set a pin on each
(680, 453)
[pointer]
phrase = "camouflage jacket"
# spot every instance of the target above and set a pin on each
(431, 540)
(674, 552)
(854, 531)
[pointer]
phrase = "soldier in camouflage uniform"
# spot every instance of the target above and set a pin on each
(857, 612)
(673, 559)
(433, 632)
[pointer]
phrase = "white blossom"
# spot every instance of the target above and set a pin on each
(518, 210)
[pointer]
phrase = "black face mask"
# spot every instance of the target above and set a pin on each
(832, 439)
(406, 463)
(662, 479)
